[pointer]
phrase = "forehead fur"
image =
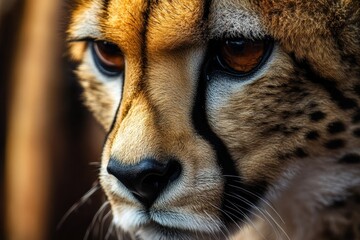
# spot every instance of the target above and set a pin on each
(174, 24)
(125, 23)
(162, 24)
(234, 18)
(168, 24)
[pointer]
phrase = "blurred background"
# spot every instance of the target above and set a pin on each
(50, 146)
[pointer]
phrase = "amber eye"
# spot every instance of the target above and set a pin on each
(242, 56)
(108, 57)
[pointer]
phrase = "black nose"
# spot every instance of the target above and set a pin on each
(146, 179)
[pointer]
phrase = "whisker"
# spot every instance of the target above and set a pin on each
(118, 236)
(259, 197)
(261, 212)
(108, 233)
(278, 225)
(227, 230)
(227, 214)
(95, 164)
(107, 215)
(250, 204)
(248, 219)
(101, 209)
(244, 200)
(236, 217)
(212, 218)
(79, 203)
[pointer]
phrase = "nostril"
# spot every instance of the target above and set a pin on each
(153, 182)
(147, 179)
(158, 180)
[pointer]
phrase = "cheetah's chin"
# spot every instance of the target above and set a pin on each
(156, 232)
(167, 225)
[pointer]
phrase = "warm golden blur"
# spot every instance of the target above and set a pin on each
(48, 140)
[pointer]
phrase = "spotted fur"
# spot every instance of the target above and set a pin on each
(273, 155)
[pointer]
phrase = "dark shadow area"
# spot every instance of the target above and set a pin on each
(76, 145)
(76, 166)
(9, 28)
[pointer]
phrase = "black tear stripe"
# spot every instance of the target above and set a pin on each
(144, 57)
(112, 126)
(329, 85)
(238, 198)
(143, 62)
(105, 6)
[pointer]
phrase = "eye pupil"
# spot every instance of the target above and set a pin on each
(235, 46)
(108, 58)
(108, 48)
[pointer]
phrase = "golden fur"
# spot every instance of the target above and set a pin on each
(292, 128)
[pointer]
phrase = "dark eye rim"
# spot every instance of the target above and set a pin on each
(106, 70)
(223, 67)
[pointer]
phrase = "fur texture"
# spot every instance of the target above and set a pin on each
(271, 155)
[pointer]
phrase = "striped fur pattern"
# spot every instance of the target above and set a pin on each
(271, 155)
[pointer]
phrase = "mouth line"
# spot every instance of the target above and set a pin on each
(168, 223)
(186, 221)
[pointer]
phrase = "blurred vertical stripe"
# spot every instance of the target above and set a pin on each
(32, 101)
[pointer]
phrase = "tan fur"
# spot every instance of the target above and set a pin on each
(276, 124)
(168, 19)
(306, 26)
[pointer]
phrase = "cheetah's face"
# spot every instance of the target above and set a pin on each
(211, 107)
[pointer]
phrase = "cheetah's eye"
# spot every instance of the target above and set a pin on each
(242, 56)
(108, 57)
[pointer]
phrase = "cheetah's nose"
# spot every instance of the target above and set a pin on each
(147, 179)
